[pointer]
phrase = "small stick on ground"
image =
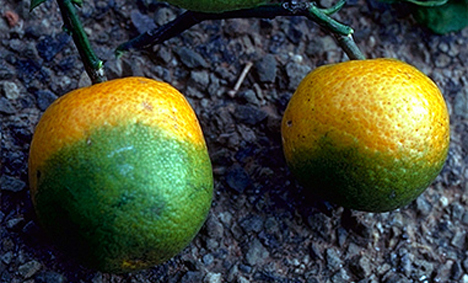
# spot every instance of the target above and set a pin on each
(241, 79)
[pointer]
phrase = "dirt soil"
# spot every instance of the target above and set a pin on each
(261, 227)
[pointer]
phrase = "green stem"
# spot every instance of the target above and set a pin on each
(342, 33)
(93, 65)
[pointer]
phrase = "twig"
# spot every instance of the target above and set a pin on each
(292, 8)
(93, 66)
(241, 79)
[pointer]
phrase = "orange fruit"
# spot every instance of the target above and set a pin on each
(120, 175)
(369, 135)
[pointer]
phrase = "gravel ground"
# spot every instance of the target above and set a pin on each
(261, 227)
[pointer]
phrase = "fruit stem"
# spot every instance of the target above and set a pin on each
(72, 24)
(342, 33)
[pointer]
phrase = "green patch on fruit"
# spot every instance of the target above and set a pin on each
(359, 178)
(127, 197)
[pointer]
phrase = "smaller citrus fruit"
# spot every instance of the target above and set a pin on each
(120, 175)
(367, 134)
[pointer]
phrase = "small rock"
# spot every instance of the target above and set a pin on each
(455, 271)
(190, 58)
(320, 224)
(333, 259)
(321, 44)
(257, 253)
(6, 107)
(296, 73)
(200, 79)
(245, 268)
(443, 60)
(459, 240)
(141, 21)
(341, 276)
(30, 268)
(50, 277)
(163, 16)
(266, 68)
(362, 267)
(465, 265)
(192, 277)
(44, 99)
(252, 223)
(392, 277)
(423, 206)
(233, 274)
(8, 183)
(7, 257)
(6, 72)
(457, 211)
(14, 222)
(237, 179)
(249, 115)
(208, 259)
(249, 96)
(10, 90)
(49, 46)
(212, 278)
(242, 279)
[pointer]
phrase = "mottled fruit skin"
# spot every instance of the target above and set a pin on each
(120, 175)
(369, 135)
(216, 6)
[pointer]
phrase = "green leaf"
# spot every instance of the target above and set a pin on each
(35, 3)
(452, 16)
(77, 2)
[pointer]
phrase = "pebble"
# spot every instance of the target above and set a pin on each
(6, 72)
(266, 68)
(249, 96)
(191, 59)
(50, 277)
(257, 253)
(192, 277)
(333, 259)
(423, 206)
(214, 227)
(249, 115)
(44, 98)
(341, 276)
(10, 90)
(48, 47)
(6, 107)
(237, 179)
(199, 79)
(141, 22)
(252, 223)
(362, 267)
(30, 268)
(212, 277)
(296, 73)
(12, 184)
(163, 16)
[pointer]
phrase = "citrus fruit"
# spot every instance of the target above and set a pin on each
(366, 134)
(216, 6)
(120, 175)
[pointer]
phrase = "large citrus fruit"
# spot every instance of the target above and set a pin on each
(119, 173)
(368, 134)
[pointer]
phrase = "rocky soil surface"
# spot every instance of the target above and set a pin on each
(261, 227)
